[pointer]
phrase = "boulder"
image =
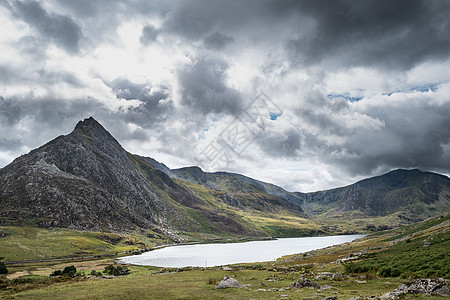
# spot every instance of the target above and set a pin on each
(304, 283)
(228, 282)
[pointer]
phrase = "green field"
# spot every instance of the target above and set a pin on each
(30, 243)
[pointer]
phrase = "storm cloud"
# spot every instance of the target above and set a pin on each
(56, 28)
(362, 85)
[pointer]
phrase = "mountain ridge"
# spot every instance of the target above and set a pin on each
(398, 181)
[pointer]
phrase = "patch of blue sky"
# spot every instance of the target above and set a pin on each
(426, 87)
(201, 136)
(345, 96)
(274, 115)
(420, 88)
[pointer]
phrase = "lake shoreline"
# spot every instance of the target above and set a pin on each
(232, 252)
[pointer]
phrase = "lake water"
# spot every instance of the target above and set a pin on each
(210, 255)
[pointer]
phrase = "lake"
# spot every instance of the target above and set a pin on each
(210, 255)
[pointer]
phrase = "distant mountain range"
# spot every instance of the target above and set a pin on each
(86, 181)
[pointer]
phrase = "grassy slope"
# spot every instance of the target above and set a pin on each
(418, 251)
(263, 223)
(30, 243)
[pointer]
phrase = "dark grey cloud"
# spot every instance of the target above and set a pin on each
(102, 18)
(281, 144)
(387, 34)
(59, 29)
(217, 41)
(412, 134)
(391, 34)
(204, 88)
(149, 35)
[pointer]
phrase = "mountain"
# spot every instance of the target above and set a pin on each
(414, 193)
(86, 181)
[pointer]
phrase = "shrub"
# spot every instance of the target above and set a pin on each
(389, 272)
(56, 273)
(3, 269)
(68, 271)
(96, 273)
(116, 271)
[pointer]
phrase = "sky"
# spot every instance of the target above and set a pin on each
(305, 94)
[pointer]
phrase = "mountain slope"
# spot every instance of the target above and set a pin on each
(412, 194)
(244, 191)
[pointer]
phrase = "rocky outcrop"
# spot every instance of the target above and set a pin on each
(428, 287)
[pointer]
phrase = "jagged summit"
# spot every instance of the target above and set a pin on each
(92, 128)
(88, 122)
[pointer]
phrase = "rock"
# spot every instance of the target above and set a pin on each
(361, 281)
(304, 283)
(228, 282)
(325, 287)
(324, 275)
(330, 298)
(337, 277)
(421, 286)
(272, 279)
(227, 268)
(261, 290)
(391, 295)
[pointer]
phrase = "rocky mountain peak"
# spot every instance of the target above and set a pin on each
(91, 127)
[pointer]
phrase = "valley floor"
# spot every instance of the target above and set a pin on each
(369, 267)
